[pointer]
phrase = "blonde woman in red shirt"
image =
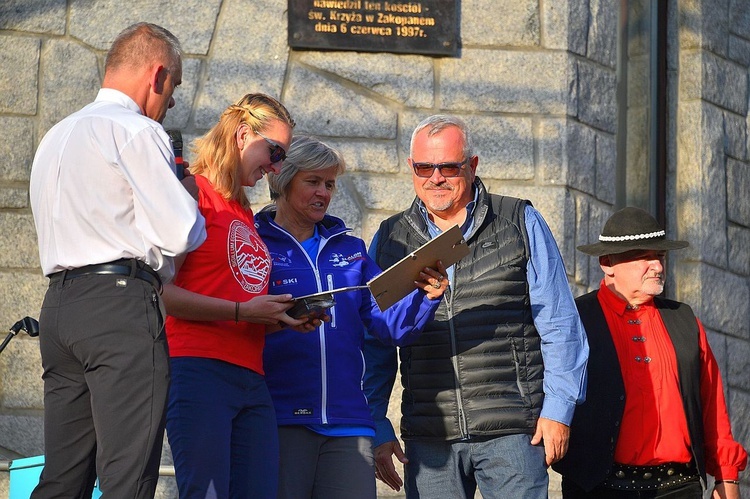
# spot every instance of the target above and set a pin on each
(221, 424)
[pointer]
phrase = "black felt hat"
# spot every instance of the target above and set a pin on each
(630, 229)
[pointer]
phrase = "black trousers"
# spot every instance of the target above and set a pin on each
(106, 376)
(687, 490)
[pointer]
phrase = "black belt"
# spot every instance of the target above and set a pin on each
(125, 267)
(624, 477)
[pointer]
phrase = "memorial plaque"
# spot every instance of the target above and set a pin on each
(423, 27)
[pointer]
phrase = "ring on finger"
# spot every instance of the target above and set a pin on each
(440, 279)
(436, 285)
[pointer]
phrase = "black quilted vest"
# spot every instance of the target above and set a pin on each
(476, 371)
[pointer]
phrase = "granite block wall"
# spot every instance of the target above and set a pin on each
(535, 79)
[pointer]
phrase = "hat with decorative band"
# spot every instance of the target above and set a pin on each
(631, 229)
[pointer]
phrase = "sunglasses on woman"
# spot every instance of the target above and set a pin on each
(277, 152)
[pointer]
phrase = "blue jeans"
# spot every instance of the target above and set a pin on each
(502, 467)
(221, 427)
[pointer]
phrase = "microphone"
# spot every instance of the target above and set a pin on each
(176, 137)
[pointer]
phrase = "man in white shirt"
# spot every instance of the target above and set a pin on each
(110, 216)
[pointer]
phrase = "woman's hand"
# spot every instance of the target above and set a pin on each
(434, 282)
(310, 323)
(269, 310)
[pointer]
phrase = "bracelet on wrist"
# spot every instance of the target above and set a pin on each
(236, 312)
(736, 482)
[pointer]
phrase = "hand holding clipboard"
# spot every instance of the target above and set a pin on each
(395, 282)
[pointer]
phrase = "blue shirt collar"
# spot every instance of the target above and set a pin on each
(311, 244)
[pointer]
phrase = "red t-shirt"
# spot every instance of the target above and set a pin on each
(654, 428)
(233, 263)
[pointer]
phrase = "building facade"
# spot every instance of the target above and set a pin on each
(565, 111)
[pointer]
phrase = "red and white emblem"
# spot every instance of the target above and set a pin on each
(248, 257)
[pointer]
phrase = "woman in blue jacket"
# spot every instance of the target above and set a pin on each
(315, 379)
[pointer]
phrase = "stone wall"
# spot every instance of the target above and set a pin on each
(709, 172)
(535, 80)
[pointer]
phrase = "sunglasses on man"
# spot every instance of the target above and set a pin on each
(425, 170)
(277, 152)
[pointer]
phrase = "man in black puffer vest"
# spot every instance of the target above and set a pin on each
(654, 421)
(491, 385)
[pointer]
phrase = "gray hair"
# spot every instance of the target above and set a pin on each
(439, 122)
(305, 154)
(142, 43)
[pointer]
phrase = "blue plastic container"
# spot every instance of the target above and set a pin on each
(24, 475)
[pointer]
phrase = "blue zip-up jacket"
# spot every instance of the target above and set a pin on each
(316, 377)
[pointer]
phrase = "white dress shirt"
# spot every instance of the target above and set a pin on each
(102, 189)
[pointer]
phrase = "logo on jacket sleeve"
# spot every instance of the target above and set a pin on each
(248, 257)
(339, 260)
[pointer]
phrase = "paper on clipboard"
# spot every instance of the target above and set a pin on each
(397, 280)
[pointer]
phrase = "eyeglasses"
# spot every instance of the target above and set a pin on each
(425, 170)
(277, 152)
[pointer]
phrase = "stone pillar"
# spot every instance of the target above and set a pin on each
(709, 192)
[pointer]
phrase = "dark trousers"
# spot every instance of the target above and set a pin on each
(316, 466)
(687, 490)
(221, 427)
(106, 375)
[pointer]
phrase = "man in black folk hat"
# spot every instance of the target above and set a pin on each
(654, 422)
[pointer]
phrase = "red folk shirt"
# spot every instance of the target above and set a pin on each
(654, 428)
(233, 263)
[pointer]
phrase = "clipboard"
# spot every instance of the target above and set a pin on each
(398, 280)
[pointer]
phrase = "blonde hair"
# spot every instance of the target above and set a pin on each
(217, 154)
(305, 154)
